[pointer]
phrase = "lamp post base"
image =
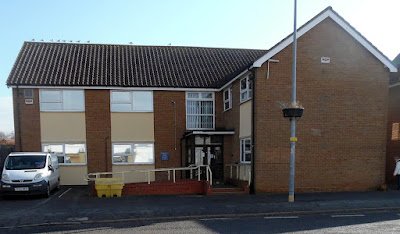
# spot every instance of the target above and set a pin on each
(291, 198)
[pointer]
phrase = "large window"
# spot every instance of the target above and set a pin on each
(67, 153)
(200, 110)
(228, 98)
(131, 101)
(62, 100)
(245, 150)
(133, 153)
(245, 89)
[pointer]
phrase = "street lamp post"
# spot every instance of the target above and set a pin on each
(293, 138)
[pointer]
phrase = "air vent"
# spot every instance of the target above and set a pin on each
(28, 93)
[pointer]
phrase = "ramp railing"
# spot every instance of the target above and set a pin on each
(192, 168)
(241, 169)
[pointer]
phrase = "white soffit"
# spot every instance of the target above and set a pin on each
(328, 13)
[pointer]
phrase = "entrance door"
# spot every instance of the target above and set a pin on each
(217, 164)
(212, 156)
(206, 150)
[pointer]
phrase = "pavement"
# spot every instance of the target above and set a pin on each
(74, 205)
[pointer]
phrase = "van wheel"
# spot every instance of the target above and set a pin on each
(47, 194)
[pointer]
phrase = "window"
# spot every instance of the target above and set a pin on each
(135, 101)
(67, 153)
(245, 150)
(245, 89)
(24, 162)
(199, 110)
(133, 153)
(395, 131)
(62, 100)
(228, 98)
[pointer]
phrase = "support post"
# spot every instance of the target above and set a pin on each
(293, 138)
(208, 177)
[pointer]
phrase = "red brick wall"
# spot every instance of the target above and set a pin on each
(166, 187)
(28, 136)
(219, 108)
(393, 146)
(164, 128)
(231, 121)
(342, 135)
(98, 130)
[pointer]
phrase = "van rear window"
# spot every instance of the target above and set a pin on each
(25, 162)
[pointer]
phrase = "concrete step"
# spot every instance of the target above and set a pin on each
(228, 191)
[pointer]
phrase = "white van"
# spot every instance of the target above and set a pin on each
(28, 173)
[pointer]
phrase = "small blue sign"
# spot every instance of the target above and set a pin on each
(164, 156)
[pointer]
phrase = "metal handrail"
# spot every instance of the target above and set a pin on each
(238, 165)
(93, 176)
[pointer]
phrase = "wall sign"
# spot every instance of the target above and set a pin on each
(325, 60)
(29, 101)
(164, 156)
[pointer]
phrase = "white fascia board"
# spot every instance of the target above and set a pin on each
(365, 43)
(243, 73)
(213, 133)
(118, 88)
(318, 20)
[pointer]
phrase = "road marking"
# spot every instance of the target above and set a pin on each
(64, 193)
(347, 215)
(281, 217)
(45, 201)
(215, 219)
(80, 219)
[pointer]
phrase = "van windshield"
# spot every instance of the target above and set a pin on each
(25, 162)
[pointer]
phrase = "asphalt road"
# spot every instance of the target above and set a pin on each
(374, 222)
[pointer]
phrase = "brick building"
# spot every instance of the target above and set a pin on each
(393, 130)
(126, 107)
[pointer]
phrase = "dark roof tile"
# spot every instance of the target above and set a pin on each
(67, 64)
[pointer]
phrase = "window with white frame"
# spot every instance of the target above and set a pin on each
(62, 100)
(200, 110)
(74, 153)
(131, 101)
(245, 150)
(133, 153)
(245, 89)
(228, 98)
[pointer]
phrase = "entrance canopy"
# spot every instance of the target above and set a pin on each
(211, 133)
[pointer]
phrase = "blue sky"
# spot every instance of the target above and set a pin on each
(257, 24)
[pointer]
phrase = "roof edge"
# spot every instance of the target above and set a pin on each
(115, 88)
(328, 12)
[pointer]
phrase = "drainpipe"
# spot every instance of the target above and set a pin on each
(253, 134)
(19, 122)
(181, 153)
(174, 103)
(106, 144)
